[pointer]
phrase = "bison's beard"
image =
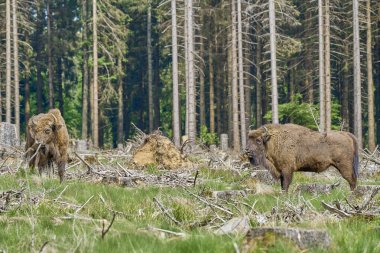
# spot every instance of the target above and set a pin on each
(257, 160)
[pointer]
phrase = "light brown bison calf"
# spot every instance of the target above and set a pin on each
(47, 130)
(284, 149)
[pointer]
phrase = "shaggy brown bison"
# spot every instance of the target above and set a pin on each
(48, 132)
(284, 149)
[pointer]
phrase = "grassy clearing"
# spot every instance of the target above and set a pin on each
(70, 217)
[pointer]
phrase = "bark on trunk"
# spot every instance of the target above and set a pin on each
(60, 82)
(95, 121)
(85, 73)
(357, 80)
(371, 113)
(212, 96)
(176, 115)
(150, 72)
(259, 110)
(235, 95)
(50, 56)
(8, 61)
(345, 108)
(327, 66)
(120, 118)
(272, 28)
(322, 86)
(241, 79)
(16, 69)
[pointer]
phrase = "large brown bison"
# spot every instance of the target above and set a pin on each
(48, 132)
(284, 149)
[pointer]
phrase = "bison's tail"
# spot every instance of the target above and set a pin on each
(356, 156)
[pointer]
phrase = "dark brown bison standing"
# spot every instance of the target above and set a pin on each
(284, 149)
(47, 131)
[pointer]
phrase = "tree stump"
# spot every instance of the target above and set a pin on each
(8, 135)
(81, 146)
(304, 238)
(224, 142)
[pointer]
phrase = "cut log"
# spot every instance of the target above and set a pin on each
(317, 188)
(237, 225)
(302, 237)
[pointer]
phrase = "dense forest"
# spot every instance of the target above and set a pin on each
(195, 68)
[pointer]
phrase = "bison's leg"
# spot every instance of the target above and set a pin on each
(61, 170)
(286, 178)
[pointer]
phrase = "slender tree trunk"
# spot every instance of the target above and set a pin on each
(202, 109)
(308, 63)
(243, 128)
(235, 95)
(357, 80)
(212, 96)
(150, 71)
(39, 49)
(16, 69)
(259, 85)
(1, 99)
(191, 89)
(371, 113)
(120, 118)
(60, 82)
(272, 28)
(377, 67)
(345, 109)
(95, 121)
(327, 66)
(156, 86)
(176, 115)
(8, 61)
(27, 82)
(85, 73)
(50, 56)
(322, 86)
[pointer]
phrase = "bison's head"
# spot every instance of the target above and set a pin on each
(256, 146)
(43, 128)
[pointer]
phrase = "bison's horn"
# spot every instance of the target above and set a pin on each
(55, 118)
(34, 123)
(266, 129)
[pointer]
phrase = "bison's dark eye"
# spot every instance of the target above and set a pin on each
(258, 141)
(47, 131)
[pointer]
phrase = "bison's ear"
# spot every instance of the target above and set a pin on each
(56, 127)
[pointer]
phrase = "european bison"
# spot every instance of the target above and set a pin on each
(47, 130)
(284, 149)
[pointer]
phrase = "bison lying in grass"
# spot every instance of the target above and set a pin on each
(47, 135)
(284, 149)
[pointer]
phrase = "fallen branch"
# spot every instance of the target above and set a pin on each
(167, 231)
(195, 178)
(43, 246)
(166, 211)
(335, 210)
(104, 232)
(90, 168)
(208, 203)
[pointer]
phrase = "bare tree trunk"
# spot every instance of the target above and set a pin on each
(202, 109)
(212, 93)
(235, 95)
(259, 110)
(120, 118)
(39, 49)
(50, 57)
(241, 78)
(16, 69)
(191, 94)
(308, 63)
(357, 80)
(95, 121)
(8, 61)
(272, 28)
(322, 86)
(186, 38)
(176, 115)
(371, 113)
(327, 66)
(345, 109)
(60, 82)
(85, 73)
(150, 72)
(27, 83)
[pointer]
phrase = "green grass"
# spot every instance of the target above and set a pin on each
(27, 227)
